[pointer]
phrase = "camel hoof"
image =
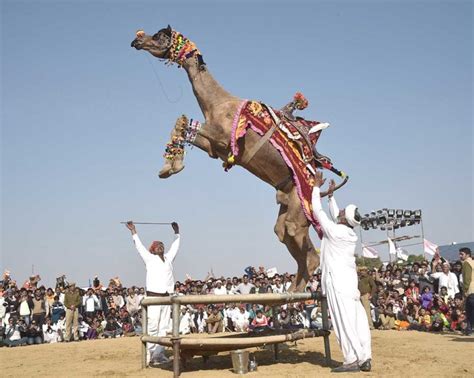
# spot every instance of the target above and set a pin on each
(165, 173)
(178, 166)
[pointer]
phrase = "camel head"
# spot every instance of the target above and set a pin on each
(158, 44)
(167, 44)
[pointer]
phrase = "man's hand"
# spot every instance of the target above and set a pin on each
(175, 227)
(131, 227)
(318, 179)
(332, 187)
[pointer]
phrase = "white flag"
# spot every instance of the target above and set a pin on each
(430, 248)
(401, 254)
(369, 252)
(391, 247)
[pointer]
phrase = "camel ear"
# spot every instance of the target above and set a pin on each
(169, 29)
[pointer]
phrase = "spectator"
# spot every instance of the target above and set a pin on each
(50, 332)
(367, 289)
(468, 287)
(72, 300)
(185, 321)
(25, 306)
(446, 278)
(214, 320)
(90, 303)
(34, 333)
(219, 289)
(13, 335)
(132, 302)
(241, 319)
(244, 287)
(112, 329)
(426, 298)
(260, 322)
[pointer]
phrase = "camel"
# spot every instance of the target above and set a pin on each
(219, 108)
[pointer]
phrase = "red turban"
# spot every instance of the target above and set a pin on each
(155, 244)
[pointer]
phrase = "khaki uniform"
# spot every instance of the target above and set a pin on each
(72, 298)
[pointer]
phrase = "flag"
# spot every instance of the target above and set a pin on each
(430, 248)
(401, 254)
(391, 247)
(369, 252)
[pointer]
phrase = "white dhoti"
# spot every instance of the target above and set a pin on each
(350, 324)
(158, 325)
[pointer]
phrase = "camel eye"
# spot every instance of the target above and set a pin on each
(156, 36)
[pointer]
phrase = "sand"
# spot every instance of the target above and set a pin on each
(395, 353)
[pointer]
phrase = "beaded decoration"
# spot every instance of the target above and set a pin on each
(191, 131)
(181, 48)
(174, 148)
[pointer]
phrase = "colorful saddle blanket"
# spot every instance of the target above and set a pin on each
(285, 139)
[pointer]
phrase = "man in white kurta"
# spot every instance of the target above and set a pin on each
(447, 279)
(159, 283)
(339, 280)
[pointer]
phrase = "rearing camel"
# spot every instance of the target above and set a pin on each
(219, 108)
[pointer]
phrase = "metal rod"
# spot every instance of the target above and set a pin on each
(145, 223)
(327, 348)
(144, 334)
(175, 338)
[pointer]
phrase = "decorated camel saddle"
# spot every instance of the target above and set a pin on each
(295, 138)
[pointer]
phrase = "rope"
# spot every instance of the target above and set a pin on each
(162, 86)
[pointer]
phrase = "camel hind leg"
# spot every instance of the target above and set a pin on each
(292, 228)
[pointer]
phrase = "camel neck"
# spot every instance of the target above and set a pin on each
(207, 90)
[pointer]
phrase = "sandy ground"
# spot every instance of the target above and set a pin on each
(394, 353)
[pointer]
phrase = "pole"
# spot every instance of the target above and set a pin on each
(276, 325)
(423, 237)
(327, 349)
(144, 333)
(175, 338)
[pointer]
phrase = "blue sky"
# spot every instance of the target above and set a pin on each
(85, 121)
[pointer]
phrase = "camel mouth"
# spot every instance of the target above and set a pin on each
(136, 43)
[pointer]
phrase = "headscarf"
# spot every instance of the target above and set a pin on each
(351, 212)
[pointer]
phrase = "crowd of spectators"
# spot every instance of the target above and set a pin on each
(423, 296)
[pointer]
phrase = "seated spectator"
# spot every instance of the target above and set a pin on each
(241, 319)
(13, 333)
(91, 333)
(214, 321)
(112, 329)
(260, 322)
(438, 320)
(413, 291)
(50, 332)
(185, 321)
(199, 320)
(34, 334)
(82, 327)
(316, 318)
(426, 298)
(387, 318)
(284, 319)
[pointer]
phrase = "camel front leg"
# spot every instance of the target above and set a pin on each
(174, 153)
